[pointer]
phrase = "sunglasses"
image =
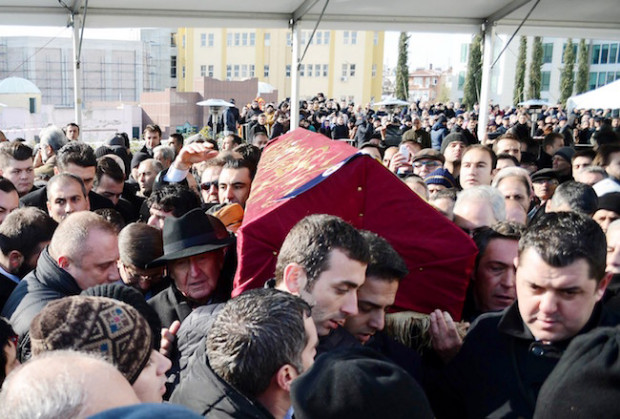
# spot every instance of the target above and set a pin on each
(207, 185)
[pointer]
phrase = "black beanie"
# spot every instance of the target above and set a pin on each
(450, 138)
(586, 381)
(610, 202)
(357, 383)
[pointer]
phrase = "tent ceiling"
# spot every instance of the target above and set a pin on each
(577, 18)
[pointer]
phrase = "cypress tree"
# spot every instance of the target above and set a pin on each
(535, 69)
(518, 95)
(473, 79)
(402, 69)
(567, 78)
(583, 68)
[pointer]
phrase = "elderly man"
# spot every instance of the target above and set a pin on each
(251, 380)
(195, 245)
(479, 206)
(507, 356)
(83, 253)
(52, 140)
(147, 171)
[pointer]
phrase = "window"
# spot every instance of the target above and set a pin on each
(173, 67)
(375, 39)
(237, 39)
(267, 39)
(203, 71)
(613, 53)
(610, 77)
(173, 40)
(183, 41)
(289, 39)
(244, 71)
(464, 50)
(229, 39)
(183, 72)
(252, 70)
(374, 70)
(252, 39)
(319, 37)
(236, 71)
(210, 40)
(545, 79)
(310, 38)
(325, 72)
(303, 38)
(310, 68)
(32, 104)
(344, 70)
(604, 53)
(592, 81)
(596, 51)
(211, 71)
(547, 53)
(345, 37)
(601, 78)
(288, 70)
(203, 39)
(266, 70)
(326, 37)
(244, 39)
(228, 72)
(302, 70)
(461, 81)
(354, 38)
(317, 70)
(352, 70)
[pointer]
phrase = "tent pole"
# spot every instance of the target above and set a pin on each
(295, 64)
(485, 86)
(76, 22)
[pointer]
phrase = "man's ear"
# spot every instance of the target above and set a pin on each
(284, 377)
(602, 285)
(15, 260)
(63, 262)
(294, 278)
(56, 171)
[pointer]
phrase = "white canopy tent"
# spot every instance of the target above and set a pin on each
(605, 97)
(570, 18)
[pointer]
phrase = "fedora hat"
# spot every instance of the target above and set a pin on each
(191, 234)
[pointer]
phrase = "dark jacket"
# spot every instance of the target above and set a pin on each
(337, 338)
(38, 199)
(7, 285)
(438, 133)
(404, 357)
(204, 392)
(170, 305)
(500, 368)
(48, 282)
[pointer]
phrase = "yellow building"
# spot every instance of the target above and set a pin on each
(344, 65)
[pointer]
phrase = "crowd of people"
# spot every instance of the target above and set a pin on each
(117, 267)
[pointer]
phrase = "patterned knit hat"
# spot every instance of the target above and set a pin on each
(95, 324)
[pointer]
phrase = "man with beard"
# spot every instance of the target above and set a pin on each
(22, 238)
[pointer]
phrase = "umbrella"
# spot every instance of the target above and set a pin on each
(391, 102)
(303, 173)
(215, 102)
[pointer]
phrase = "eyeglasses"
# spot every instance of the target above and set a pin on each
(431, 163)
(207, 185)
(134, 277)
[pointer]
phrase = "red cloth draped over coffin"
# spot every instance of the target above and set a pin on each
(302, 173)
